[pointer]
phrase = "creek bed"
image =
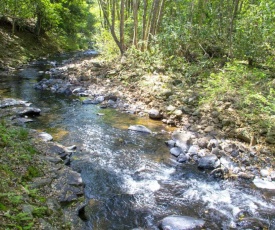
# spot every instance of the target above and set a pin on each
(130, 178)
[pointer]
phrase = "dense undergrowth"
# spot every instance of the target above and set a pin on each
(20, 206)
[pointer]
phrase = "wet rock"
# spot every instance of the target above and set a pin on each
(45, 137)
(234, 153)
(182, 158)
(259, 183)
(181, 223)
(209, 162)
(155, 114)
(30, 111)
(272, 175)
(139, 128)
(176, 151)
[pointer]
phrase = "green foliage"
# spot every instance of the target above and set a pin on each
(62, 18)
(249, 88)
(18, 165)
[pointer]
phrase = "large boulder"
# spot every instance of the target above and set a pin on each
(181, 223)
(210, 161)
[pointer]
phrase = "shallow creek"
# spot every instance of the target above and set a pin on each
(130, 178)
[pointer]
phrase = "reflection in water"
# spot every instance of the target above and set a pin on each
(131, 179)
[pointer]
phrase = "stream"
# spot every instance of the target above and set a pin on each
(131, 180)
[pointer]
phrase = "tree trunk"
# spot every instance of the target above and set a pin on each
(111, 28)
(121, 30)
(144, 23)
(135, 15)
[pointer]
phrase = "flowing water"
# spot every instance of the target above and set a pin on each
(131, 179)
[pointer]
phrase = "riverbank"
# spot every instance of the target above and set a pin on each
(241, 147)
(38, 190)
(23, 46)
(92, 90)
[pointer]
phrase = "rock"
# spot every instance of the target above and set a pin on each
(234, 153)
(111, 98)
(166, 93)
(21, 120)
(244, 175)
(30, 111)
(8, 102)
(170, 143)
(176, 151)
(244, 135)
(68, 186)
(45, 136)
(270, 137)
(178, 113)
(111, 103)
(182, 139)
(264, 173)
(88, 101)
(155, 114)
(209, 129)
(99, 99)
(203, 142)
(226, 162)
(193, 150)
(259, 183)
(209, 162)
(181, 223)
(272, 175)
(170, 108)
(213, 143)
(139, 128)
(182, 158)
